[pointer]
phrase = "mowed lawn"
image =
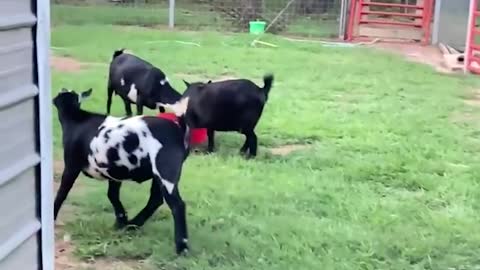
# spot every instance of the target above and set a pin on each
(389, 180)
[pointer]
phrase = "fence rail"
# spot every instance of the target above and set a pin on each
(307, 18)
(311, 18)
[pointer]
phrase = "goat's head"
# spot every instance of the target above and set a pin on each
(164, 93)
(193, 87)
(69, 99)
(200, 84)
(179, 108)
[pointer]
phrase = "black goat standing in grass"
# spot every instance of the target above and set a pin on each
(230, 105)
(138, 82)
(116, 149)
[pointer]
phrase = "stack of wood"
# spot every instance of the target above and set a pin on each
(452, 59)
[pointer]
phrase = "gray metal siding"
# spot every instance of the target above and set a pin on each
(19, 209)
(19, 183)
(18, 260)
(17, 129)
(452, 20)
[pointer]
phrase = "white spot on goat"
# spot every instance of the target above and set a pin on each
(153, 147)
(169, 186)
(164, 81)
(179, 108)
(122, 82)
(132, 94)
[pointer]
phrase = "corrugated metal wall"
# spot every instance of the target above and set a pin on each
(451, 24)
(19, 185)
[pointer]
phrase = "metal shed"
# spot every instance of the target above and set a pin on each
(26, 181)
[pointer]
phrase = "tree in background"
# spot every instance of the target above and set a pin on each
(241, 12)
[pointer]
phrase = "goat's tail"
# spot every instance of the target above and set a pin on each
(268, 82)
(117, 53)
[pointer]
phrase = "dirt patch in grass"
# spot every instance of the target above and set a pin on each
(288, 149)
(473, 99)
(72, 65)
(429, 55)
(196, 77)
(64, 258)
(57, 170)
(110, 264)
(66, 64)
(464, 118)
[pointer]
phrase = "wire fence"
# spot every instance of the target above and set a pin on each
(311, 18)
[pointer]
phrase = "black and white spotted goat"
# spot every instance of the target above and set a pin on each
(135, 148)
(138, 82)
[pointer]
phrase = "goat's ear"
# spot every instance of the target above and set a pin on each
(64, 90)
(84, 95)
(186, 83)
(209, 81)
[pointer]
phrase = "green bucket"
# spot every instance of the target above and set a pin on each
(257, 27)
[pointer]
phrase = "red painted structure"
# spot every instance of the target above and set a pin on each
(472, 60)
(360, 11)
(197, 135)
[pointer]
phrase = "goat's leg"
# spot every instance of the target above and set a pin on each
(139, 106)
(211, 140)
(68, 179)
(155, 201)
(244, 148)
(170, 168)
(114, 197)
(252, 144)
(128, 108)
(177, 206)
(109, 98)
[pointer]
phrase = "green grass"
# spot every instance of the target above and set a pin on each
(187, 17)
(390, 180)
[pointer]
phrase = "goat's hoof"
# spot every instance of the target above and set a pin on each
(249, 156)
(243, 152)
(184, 252)
(119, 225)
(132, 227)
(182, 249)
(246, 154)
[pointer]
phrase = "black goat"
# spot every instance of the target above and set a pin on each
(115, 149)
(230, 105)
(138, 82)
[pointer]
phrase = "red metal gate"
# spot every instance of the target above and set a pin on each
(375, 19)
(472, 60)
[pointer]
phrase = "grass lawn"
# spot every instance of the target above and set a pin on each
(390, 179)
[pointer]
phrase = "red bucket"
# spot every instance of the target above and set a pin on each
(197, 136)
